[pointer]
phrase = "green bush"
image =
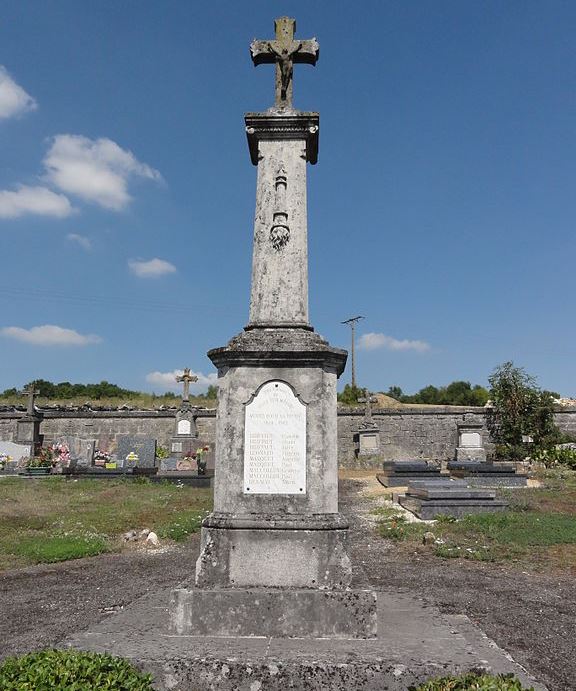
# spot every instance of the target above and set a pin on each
(556, 457)
(473, 682)
(71, 670)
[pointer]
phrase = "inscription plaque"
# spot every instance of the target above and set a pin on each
(470, 439)
(184, 426)
(275, 442)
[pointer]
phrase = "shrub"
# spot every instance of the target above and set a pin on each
(60, 670)
(520, 410)
(556, 457)
(473, 681)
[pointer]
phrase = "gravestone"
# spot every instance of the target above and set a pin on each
(81, 450)
(368, 434)
(16, 453)
(144, 447)
(28, 426)
(470, 446)
(275, 544)
(400, 473)
(428, 499)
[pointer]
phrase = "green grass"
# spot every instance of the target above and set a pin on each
(540, 528)
(59, 548)
(55, 519)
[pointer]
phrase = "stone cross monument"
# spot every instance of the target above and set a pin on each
(186, 379)
(28, 426)
(273, 558)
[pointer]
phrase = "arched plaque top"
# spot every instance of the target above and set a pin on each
(275, 441)
(276, 382)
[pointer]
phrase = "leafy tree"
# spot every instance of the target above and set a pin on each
(395, 392)
(520, 410)
(350, 394)
(212, 392)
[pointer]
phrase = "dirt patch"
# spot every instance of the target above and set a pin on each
(529, 614)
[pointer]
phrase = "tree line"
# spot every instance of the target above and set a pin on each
(64, 390)
(456, 393)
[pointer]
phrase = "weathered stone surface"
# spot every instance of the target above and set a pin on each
(428, 509)
(144, 447)
(286, 613)
(282, 551)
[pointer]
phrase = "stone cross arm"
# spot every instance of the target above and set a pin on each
(186, 378)
(284, 51)
(301, 52)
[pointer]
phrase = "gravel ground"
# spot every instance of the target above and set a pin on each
(532, 616)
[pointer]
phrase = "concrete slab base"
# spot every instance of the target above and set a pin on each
(402, 479)
(280, 612)
(415, 642)
(428, 509)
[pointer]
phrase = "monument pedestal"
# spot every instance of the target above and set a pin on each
(273, 555)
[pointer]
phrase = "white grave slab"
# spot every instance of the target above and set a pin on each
(275, 442)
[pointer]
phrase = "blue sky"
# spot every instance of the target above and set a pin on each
(442, 206)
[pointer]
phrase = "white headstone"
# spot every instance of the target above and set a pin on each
(183, 426)
(275, 442)
(15, 451)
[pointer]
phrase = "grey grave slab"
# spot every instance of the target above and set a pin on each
(145, 447)
(448, 491)
(428, 509)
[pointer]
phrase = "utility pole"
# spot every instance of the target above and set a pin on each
(352, 323)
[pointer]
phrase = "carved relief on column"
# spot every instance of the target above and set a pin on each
(280, 232)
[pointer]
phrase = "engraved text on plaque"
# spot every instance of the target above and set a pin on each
(275, 442)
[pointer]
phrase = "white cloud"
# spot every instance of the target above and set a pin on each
(13, 99)
(33, 200)
(49, 335)
(373, 341)
(166, 381)
(97, 170)
(152, 268)
(81, 240)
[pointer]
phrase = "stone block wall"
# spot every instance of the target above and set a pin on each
(405, 434)
(408, 434)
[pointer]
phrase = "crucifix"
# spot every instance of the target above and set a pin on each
(31, 392)
(368, 398)
(186, 378)
(284, 51)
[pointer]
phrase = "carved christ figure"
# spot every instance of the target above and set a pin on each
(284, 51)
(284, 59)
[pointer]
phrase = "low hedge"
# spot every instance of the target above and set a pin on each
(71, 670)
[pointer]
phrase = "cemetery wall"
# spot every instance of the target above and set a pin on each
(405, 434)
(409, 434)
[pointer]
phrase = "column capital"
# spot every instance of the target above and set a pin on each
(281, 126)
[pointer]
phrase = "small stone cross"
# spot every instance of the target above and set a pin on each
(186, 378)
(284, 51)
(368, 398)
(31, 392)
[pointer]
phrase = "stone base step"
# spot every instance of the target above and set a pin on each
(290, 613)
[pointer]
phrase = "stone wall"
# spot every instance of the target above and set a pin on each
(412, 434)
(405, 434)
